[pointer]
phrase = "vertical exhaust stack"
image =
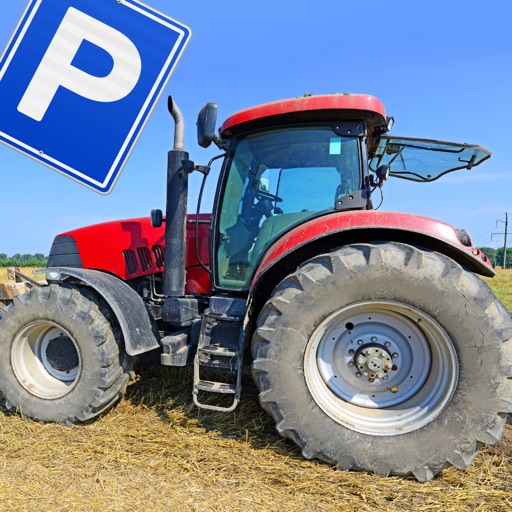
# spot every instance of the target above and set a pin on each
(176, 210)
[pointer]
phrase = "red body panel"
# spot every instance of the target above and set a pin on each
(357, 220)
(133, 248)
(366, 104)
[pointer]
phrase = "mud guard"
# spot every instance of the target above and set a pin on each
(134, 319)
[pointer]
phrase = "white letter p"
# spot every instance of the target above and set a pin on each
(55, 69)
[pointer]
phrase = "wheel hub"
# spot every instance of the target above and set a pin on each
(60, 357)
(373, 361)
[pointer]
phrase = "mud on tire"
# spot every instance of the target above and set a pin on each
(62, 355)
(385, 358)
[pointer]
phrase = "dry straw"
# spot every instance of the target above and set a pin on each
(155, 452)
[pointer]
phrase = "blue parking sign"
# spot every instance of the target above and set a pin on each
(79, 79)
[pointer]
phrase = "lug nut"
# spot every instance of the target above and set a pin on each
(351, 363)
(358, 374)
(351, 351)
(360, 342)
(374, 339)
(387, 344)
(395, 355)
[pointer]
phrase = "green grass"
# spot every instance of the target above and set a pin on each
(502, 286)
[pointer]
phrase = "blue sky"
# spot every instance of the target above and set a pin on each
(442, 69)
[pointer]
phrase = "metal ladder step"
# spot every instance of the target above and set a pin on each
(216, 387)
(219, 355)
(213, 350)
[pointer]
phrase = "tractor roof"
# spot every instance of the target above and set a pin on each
(327, 107)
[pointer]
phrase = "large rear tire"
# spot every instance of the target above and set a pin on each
(62, 355)
(385, 358)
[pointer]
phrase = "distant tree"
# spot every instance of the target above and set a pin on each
(499, 257)
(490, 253)
(23, 260)
(496, 256)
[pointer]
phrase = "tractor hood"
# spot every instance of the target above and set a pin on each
(424, 160)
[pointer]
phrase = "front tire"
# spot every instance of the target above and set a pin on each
(385, 358)
(62, 360)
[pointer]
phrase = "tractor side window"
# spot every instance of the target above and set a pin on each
(278, 179)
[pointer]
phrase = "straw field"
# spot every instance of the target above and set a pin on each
(25, 270)
(156, 452)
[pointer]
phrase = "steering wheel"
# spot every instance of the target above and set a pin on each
(267, 195)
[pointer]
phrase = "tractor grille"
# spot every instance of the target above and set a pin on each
(144, 259)
(158, 252)
(132, 265)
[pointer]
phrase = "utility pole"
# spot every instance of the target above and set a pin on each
(505, 241)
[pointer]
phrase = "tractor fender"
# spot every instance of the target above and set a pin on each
(322, 234)
(139, 333)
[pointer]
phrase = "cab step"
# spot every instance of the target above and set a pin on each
(219, 356)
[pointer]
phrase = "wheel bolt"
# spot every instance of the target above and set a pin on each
(360, 342)
(365, 374)
(358, 374)
(394, 367)
(351, 351)
(351, 363)
(388, 344)
(371, 379)
(374, 339)
(395, 355)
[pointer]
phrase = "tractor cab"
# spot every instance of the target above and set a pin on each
(294, 160)
(278, 178)
(287, 162)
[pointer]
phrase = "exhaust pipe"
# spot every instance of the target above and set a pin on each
(176, 210)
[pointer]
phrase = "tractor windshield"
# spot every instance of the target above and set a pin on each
(425, 160)
(275, 180)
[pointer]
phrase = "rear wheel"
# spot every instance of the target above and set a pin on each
(62, 356)
(385, 358)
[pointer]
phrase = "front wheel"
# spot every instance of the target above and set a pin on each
(61, 355)
(385, 358)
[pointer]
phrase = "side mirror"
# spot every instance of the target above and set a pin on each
(206, 123)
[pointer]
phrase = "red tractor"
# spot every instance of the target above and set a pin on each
(373, 342)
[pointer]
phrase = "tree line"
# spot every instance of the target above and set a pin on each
(23, 260)
(496, 256)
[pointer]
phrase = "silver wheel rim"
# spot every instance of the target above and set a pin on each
(381, 367)
(45, 360)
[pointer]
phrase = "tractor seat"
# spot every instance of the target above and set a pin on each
(274, 226)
